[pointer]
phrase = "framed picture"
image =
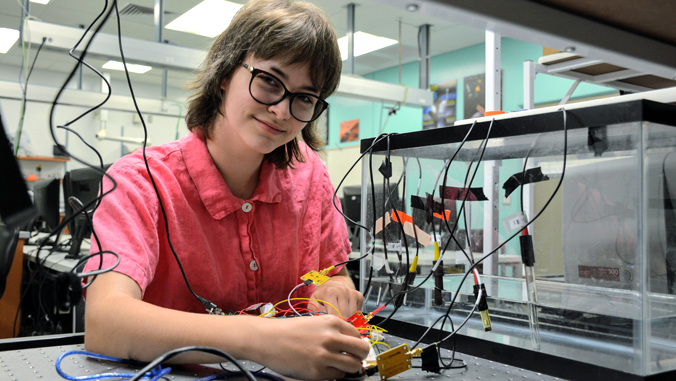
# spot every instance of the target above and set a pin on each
(349, 131)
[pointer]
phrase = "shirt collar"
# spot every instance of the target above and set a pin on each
(215, 194)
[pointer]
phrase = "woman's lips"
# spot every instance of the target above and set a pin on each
(270, 128)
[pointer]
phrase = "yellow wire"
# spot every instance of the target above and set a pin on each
(314, 300)
(379, 342)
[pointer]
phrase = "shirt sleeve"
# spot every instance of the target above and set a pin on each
(126, 223)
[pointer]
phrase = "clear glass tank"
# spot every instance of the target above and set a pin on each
(602, 289)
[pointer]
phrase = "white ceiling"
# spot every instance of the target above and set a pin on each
(370, 17)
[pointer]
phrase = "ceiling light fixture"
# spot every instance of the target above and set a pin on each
(364, 43)
(40, 1)
(7, 39)
(133, 68)
(208, 18)
(412, 7)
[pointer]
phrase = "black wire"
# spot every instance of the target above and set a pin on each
(80, 59)
(335, 193)
(173, 353)
(429, 275)
(563, 172)
(255, 371)
(145, 158)
(370, 152)
(57, 231)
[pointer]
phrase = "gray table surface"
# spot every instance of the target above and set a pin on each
(39, 364)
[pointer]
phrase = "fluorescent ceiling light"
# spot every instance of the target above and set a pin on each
(364, 43)
(133, 68)
(208, 18)
(40, 1)
(7, 38)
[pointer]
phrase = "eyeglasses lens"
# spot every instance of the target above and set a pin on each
(268, 90)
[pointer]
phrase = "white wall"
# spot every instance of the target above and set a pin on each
(338, 162)
(36, 137)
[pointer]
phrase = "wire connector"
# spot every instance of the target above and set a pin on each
(386, 168)
(210, 306)
(527, 250)
(370, 315)
(483, 307)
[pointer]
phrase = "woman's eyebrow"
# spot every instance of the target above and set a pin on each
(280, 73)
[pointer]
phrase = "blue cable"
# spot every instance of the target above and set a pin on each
(154, 375)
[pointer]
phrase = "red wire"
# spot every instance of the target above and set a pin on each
(378, 309)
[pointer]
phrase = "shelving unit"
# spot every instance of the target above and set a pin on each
(53, 166)
(42, 158)
(589, 70)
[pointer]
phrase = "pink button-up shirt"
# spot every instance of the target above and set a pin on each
(234, 252)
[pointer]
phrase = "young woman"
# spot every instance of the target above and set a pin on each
(249, 209)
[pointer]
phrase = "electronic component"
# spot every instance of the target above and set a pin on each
(358, 320)
(394, 361)
(483, 307)
(315, 277)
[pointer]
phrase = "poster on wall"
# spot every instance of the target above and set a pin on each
(442, 112)
(475, 96)
(349, 131)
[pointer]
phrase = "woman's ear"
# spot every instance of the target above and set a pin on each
(224, 84)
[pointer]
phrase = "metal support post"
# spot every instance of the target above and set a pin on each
(350, 38)
(529, 85)
(159, 37)
(493, 80)
(570, 92)
(424, 65)
(491, 168)
(25, 11)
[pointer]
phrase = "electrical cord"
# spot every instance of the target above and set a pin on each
(209, 305)
(551, 198)
(156, 371)
(173, 353)
(291, 293)
(429, 275)
(57, 231)
(364, 228)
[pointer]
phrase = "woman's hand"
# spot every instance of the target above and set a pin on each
(314, 348)
(340, 292)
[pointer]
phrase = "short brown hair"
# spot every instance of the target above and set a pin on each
(295, 33)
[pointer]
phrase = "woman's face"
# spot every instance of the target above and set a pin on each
(256, 127)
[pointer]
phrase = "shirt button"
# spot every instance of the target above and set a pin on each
(253, 265)
(247, 207)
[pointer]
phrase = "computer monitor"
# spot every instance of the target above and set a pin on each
(16, 208)
(46, 198)
(352, 203)
(84, 185)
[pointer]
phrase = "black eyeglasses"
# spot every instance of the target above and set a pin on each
(267, 89)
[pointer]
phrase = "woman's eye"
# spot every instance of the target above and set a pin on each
(306, 99)
(268, 80)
